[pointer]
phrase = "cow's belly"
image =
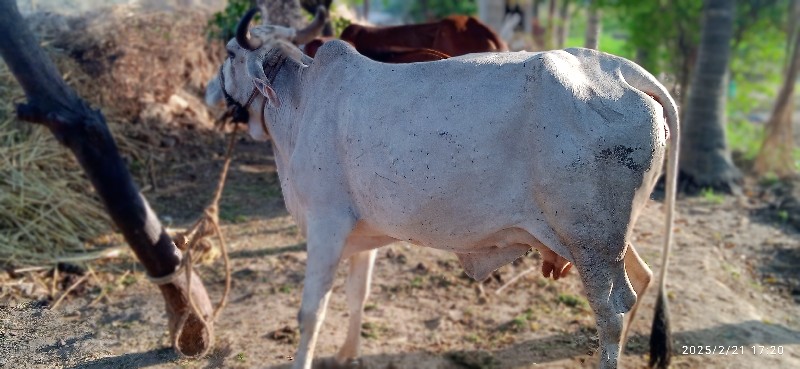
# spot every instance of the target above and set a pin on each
(488, 223)
(478, 257)
(450, 186)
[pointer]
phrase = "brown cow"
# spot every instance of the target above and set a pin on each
(385, 54)
(454, 35)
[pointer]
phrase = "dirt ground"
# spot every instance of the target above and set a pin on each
(733, 281)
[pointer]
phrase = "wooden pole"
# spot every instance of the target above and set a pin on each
(57, 106)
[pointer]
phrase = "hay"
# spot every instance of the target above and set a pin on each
(124, 59)
(128, 64)
(45, 209)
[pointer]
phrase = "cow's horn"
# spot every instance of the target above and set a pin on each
(242, 29)
(314, 29)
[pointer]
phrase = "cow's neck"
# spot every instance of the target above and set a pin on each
(285, 77)
(286, 80)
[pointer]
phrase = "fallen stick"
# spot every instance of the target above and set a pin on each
(72, 287)
(516, 278)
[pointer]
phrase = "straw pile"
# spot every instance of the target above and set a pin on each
(129, 59)
(142, 68)
(46, 209)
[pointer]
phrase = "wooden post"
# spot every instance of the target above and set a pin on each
(55, 105)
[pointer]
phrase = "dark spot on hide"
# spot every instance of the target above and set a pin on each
(620, 154)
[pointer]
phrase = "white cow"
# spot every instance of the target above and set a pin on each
(485, 155)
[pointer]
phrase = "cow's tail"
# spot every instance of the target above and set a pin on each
(660, 338)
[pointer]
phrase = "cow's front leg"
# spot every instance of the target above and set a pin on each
(357, 289)
(326, 240)
(610, 295)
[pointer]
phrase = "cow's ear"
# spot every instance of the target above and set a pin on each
(267, 91)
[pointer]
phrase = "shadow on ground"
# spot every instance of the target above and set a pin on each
(580, 345)
(132, 360)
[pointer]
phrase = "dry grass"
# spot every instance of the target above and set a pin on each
(46, 206)
(123, 59)
(124, 63)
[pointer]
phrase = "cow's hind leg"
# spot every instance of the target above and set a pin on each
(610, 295)
(326, 240)
(357, 290)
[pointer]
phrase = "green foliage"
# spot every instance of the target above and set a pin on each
(796, 156)
(416, 282)
(521, 322)
(711, 196)
(572, 300)
(769, 179)
(664, 37)
(756, 65)
(442, 8)
(436, 9)
(757, 58)
(662, 34)
(339, 24)
(222, 25)
(743, 136)
(372, 330)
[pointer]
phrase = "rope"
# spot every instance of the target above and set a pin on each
(207, 225)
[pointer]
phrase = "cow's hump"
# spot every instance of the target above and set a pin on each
(336, 51)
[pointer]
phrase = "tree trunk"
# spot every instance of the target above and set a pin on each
(55, 105)
(425, 10)
(705, 158)
(491, 12)
(528, 7)
(283, 13)
(539, 32)
(563, 25)
(775, 156)
(311, 7)
(551, 25)
(593, 24)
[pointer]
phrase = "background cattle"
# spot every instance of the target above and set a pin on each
(385, 54)
(452, 36)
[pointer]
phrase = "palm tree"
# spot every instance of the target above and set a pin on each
(562, 30)
(592, 37)
(775, 155)
(705, 157)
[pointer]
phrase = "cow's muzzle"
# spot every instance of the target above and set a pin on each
(237, 111)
